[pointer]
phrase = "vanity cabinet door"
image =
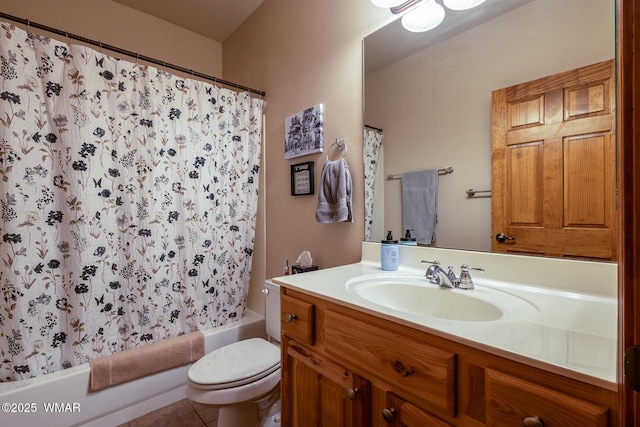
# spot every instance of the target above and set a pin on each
(319, 392)
(511, 401)
(399, 413)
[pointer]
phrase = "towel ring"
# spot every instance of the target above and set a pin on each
(342, 146)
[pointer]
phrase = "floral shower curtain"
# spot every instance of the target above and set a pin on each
(372, 142)
(128, 201)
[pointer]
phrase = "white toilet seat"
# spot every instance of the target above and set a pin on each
(232, 384)
(234, 395)
(235, 364)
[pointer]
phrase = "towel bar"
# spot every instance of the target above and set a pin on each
(444, 171)
(472, 193)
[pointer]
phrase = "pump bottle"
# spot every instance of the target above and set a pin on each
(408, 239)
(389, 258)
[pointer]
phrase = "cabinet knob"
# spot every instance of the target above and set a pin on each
(532, 422)
(389, 414)
(351, 393)
(290, 318)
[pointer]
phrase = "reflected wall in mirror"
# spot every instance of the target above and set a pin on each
(434, 105)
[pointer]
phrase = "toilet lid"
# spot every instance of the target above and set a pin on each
(235, 364)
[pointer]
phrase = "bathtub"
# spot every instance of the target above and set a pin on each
(63, 398)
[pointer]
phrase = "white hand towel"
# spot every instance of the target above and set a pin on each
(419, 204)
(334, 194)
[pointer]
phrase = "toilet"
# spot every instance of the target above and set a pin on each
(243, 378)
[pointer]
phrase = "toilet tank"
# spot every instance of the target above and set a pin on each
(272, 309)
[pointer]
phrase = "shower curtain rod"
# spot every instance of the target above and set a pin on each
(129, 53)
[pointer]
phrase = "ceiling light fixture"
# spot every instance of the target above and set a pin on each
(387, 3)
(424, 15)
(462, 4)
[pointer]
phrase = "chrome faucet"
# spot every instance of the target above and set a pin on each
(447, 279)
(436, 275)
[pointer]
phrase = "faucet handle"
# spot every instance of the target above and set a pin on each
(466, 282)
(431, 274)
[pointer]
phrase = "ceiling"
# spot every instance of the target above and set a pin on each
(217, 19)
(214, 19)
(392, 42)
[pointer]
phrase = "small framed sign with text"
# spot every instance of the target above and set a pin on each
(302, 179)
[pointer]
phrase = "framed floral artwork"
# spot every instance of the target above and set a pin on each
(304, 133)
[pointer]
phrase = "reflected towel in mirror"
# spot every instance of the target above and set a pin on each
(419, 204)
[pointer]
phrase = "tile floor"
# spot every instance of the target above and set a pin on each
(182, 413)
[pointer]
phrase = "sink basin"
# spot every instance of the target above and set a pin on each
(414, 295)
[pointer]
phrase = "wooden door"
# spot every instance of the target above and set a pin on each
(553, 160)
(320, 393)
(628, 19)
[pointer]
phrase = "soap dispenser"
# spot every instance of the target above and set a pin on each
(408, 240)
(389, 258)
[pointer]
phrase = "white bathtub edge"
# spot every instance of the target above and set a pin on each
(115, 405)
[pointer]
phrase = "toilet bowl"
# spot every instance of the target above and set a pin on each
(242, 378)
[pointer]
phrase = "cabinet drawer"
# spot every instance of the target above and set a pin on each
(400, 413)
(510, 400)
(423, 373)
(297, 319)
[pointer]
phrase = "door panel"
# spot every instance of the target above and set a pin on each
(553, 163)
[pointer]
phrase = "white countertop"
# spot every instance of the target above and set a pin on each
(573, 331)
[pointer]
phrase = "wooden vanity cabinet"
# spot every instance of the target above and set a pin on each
(511, 401)
(344, 367)
(397, 412)
(322, 392)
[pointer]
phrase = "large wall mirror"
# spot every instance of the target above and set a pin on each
(430, 94)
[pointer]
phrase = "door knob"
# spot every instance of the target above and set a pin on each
(501, 237)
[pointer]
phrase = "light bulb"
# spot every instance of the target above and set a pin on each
(462, 4)
(425, 17)
(387, 3)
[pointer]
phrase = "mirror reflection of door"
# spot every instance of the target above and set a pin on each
(553, 161)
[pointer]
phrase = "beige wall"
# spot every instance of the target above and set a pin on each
(302, 53)
(117, 25)
(435, 106)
